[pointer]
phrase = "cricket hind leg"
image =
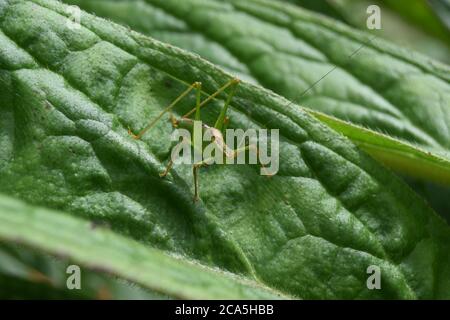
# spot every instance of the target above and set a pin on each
(234, 153)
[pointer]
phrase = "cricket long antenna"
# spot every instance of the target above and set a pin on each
(215, 94)
(153, 122)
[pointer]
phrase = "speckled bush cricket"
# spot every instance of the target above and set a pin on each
(199, 128)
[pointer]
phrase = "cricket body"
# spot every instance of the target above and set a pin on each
(216, 131)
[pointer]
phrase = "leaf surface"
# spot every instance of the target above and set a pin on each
(101, 249)
(368, 82)
(311, 231)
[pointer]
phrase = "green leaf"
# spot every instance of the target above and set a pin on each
(410, 24)
(401, 156)
(436, 195)
(30, 274)
(311, 231)
(381, 87)
(332, 9)
(101, 249)
(442, 9)
(424, 14)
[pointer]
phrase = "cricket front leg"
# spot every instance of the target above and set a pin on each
(173, 120)
(173, 156)
(168, 168)
(195, 172)
(196, 184)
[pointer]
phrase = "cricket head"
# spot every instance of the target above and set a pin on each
(197, 85)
